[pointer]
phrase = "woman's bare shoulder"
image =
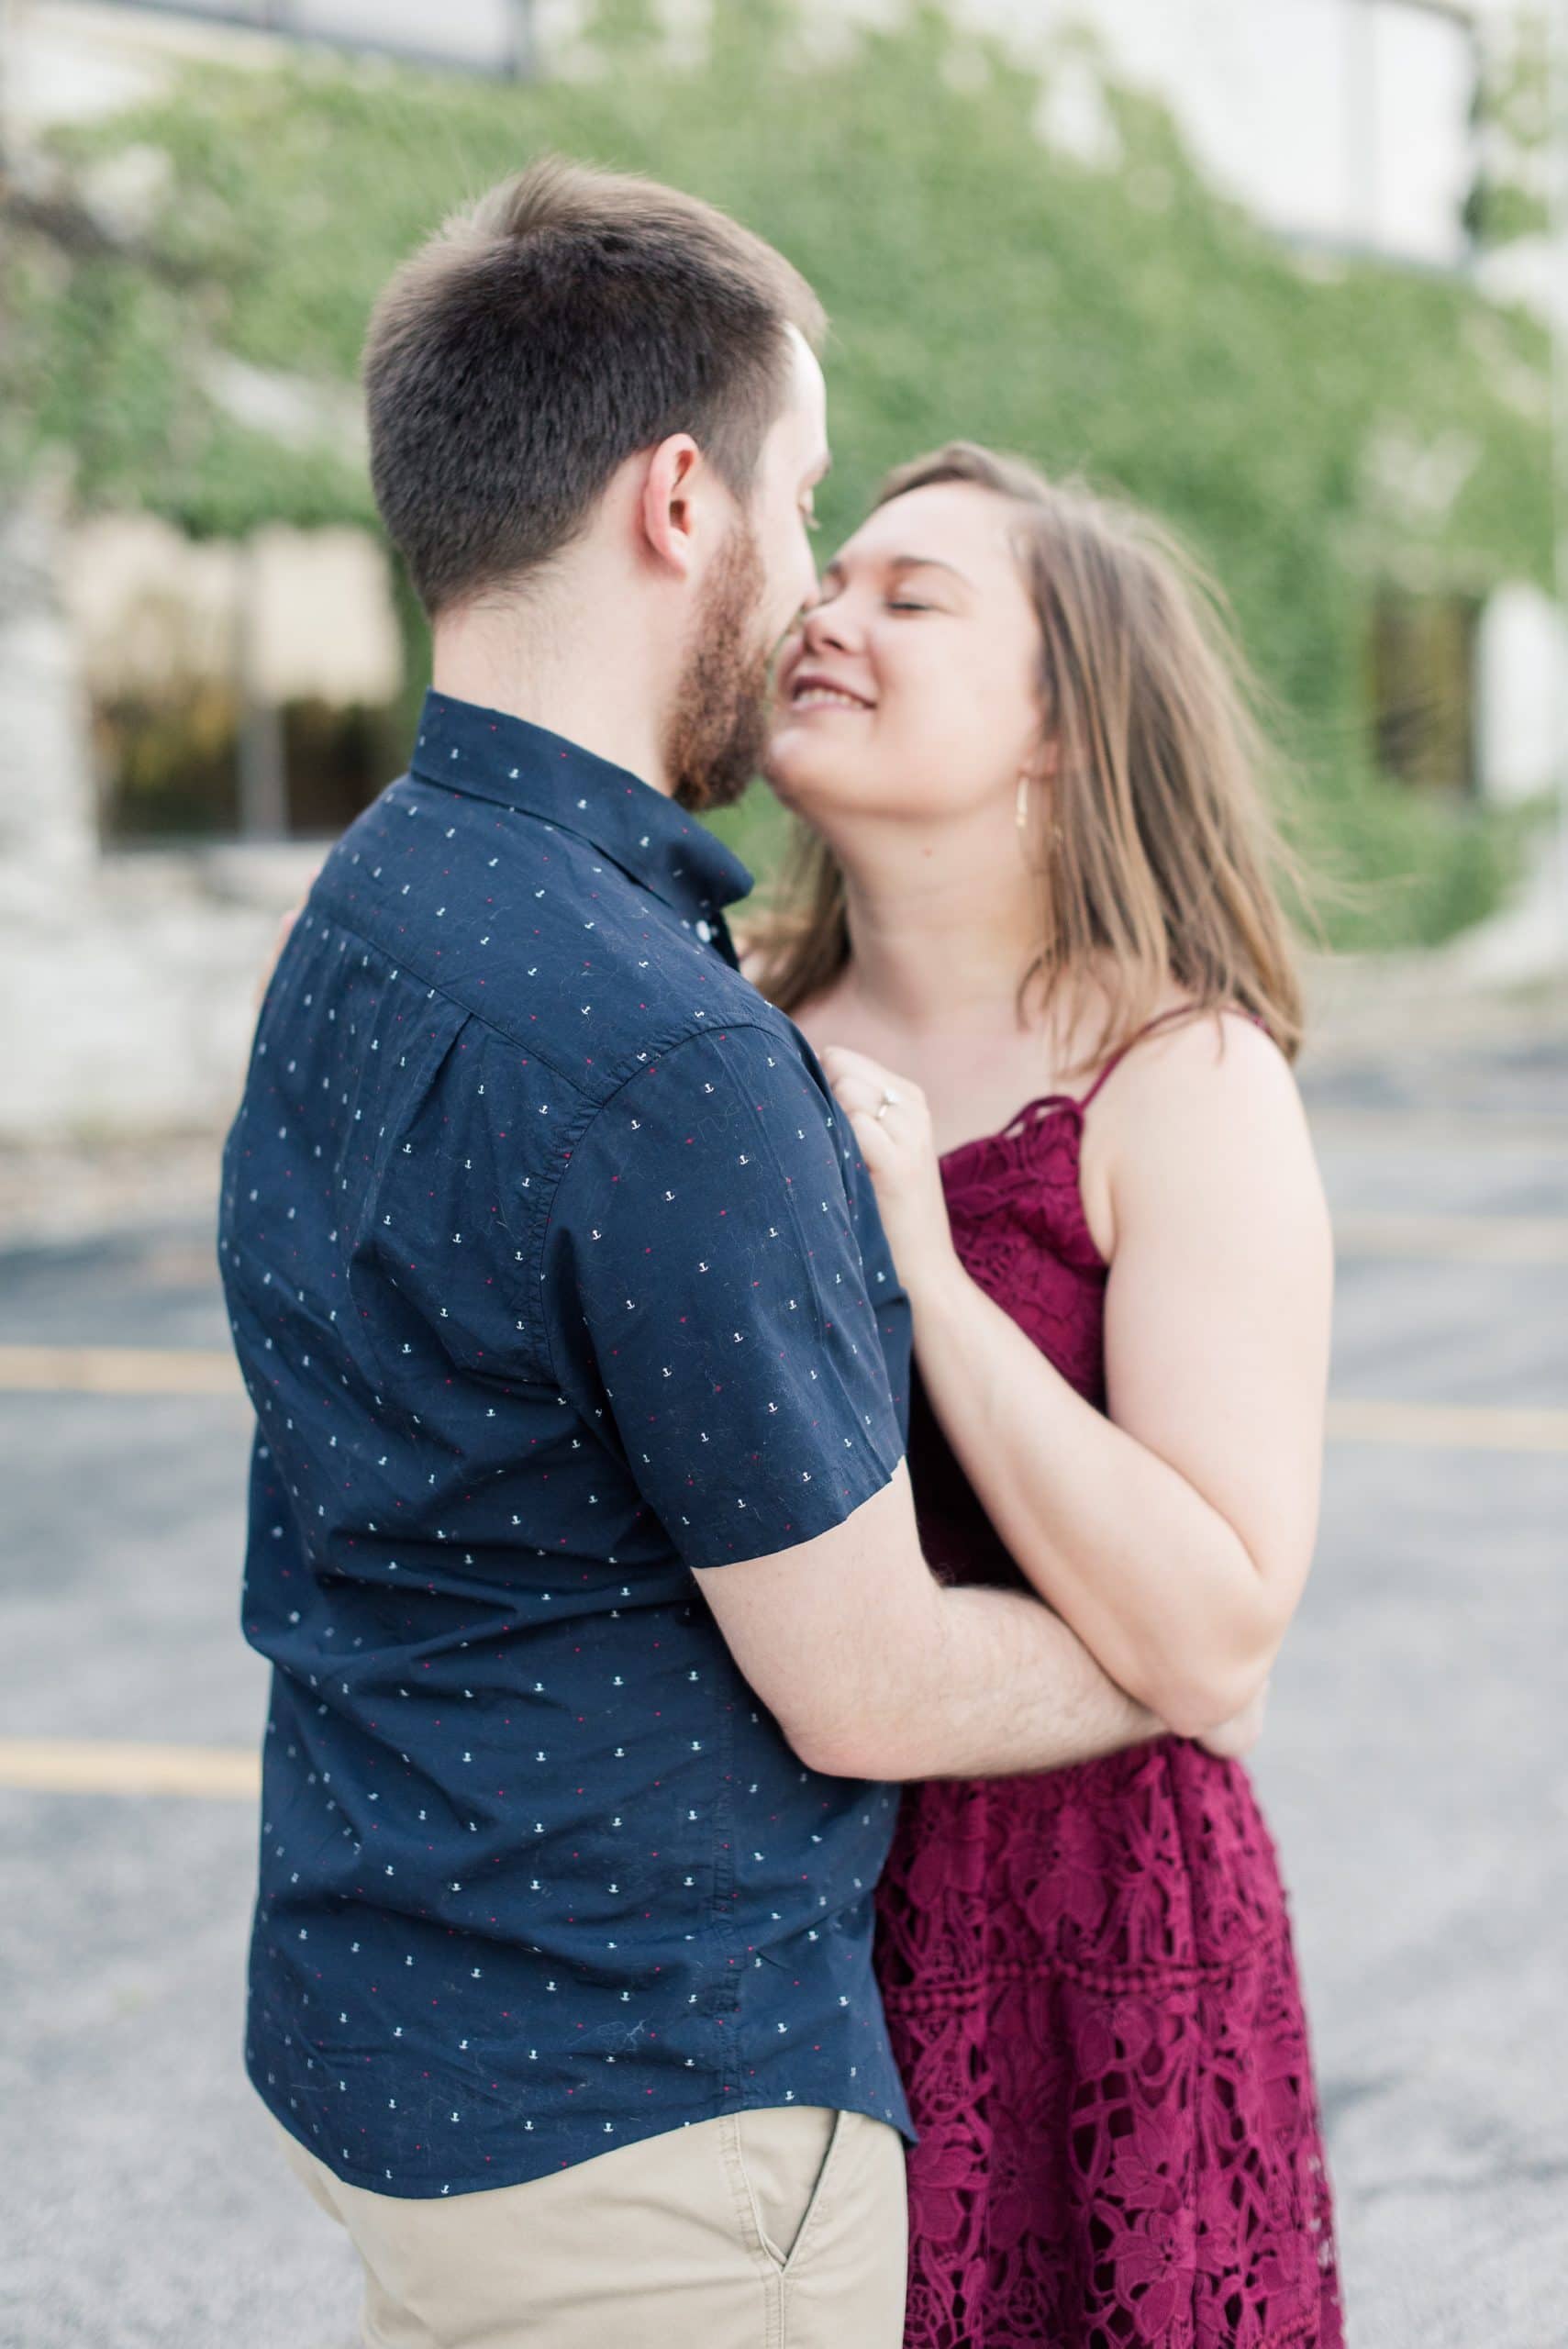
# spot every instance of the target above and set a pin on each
(1207, 1105)
(1223, 1050)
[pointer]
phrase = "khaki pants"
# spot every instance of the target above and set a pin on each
(783, 2229)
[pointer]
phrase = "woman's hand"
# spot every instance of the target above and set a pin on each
(1234, 1740)
(900, 1158)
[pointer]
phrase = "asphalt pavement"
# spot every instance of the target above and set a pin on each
(1414, 1765)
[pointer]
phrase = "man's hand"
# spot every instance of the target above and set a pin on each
(1234, 1738)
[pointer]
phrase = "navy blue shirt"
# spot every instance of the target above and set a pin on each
(553, 1275)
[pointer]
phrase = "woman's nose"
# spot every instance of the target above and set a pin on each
(825, 624)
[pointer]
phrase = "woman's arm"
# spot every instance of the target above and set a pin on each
(1174, 1536)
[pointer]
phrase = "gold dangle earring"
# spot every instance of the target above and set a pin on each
(1021, 817)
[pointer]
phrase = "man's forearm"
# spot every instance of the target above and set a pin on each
(874, 1669)
(1004, 1687)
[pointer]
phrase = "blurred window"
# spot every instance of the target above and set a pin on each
(244, 690)
(184, 768)
(1423, 665)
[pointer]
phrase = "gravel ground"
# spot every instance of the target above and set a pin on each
(1414, 1765)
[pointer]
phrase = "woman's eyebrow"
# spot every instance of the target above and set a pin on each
(835, 570)
(927, 563)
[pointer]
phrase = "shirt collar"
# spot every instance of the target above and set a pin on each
(491, 755)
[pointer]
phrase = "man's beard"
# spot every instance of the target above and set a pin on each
(718, 728)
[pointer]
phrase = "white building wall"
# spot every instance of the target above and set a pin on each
(1522, 693)
(1344, 122)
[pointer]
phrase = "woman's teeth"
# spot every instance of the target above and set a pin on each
(824, 698)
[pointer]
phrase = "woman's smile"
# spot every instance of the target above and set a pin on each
(812, 689)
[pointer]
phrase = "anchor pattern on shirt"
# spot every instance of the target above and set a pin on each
(553, 1275)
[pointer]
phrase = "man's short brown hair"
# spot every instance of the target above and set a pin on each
(569, 319)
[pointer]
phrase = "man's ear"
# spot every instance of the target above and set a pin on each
(667, 508)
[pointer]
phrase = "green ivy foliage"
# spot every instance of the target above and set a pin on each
(1122, 321)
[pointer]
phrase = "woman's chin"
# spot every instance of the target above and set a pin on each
(803, 771)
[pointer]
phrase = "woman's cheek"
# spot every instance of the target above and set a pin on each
(926, 749)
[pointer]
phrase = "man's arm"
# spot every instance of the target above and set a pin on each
(709, 1313)
(874, 1669)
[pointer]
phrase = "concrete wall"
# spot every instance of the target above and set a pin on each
(126, 981)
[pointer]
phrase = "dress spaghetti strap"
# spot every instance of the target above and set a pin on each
(1179, 1011)
(1078, 1102)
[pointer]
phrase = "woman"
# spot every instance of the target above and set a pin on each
(1041, 874)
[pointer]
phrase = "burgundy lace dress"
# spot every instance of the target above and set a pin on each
(1088, 1975)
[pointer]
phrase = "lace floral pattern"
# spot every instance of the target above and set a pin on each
(1089, 1976)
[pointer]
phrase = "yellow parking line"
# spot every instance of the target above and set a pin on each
(1449, 1427)
(1463, 1239)
(72, 1765)
(120, 1370)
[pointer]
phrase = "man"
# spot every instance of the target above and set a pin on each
(580, 1542)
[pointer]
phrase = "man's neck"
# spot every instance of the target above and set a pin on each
(594, 687)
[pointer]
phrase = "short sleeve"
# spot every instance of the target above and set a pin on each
(705, 1292)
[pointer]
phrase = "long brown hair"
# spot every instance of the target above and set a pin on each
(1164, 862)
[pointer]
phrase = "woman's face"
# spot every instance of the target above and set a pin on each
(911, 688)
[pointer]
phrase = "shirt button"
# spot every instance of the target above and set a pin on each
(704, 931)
